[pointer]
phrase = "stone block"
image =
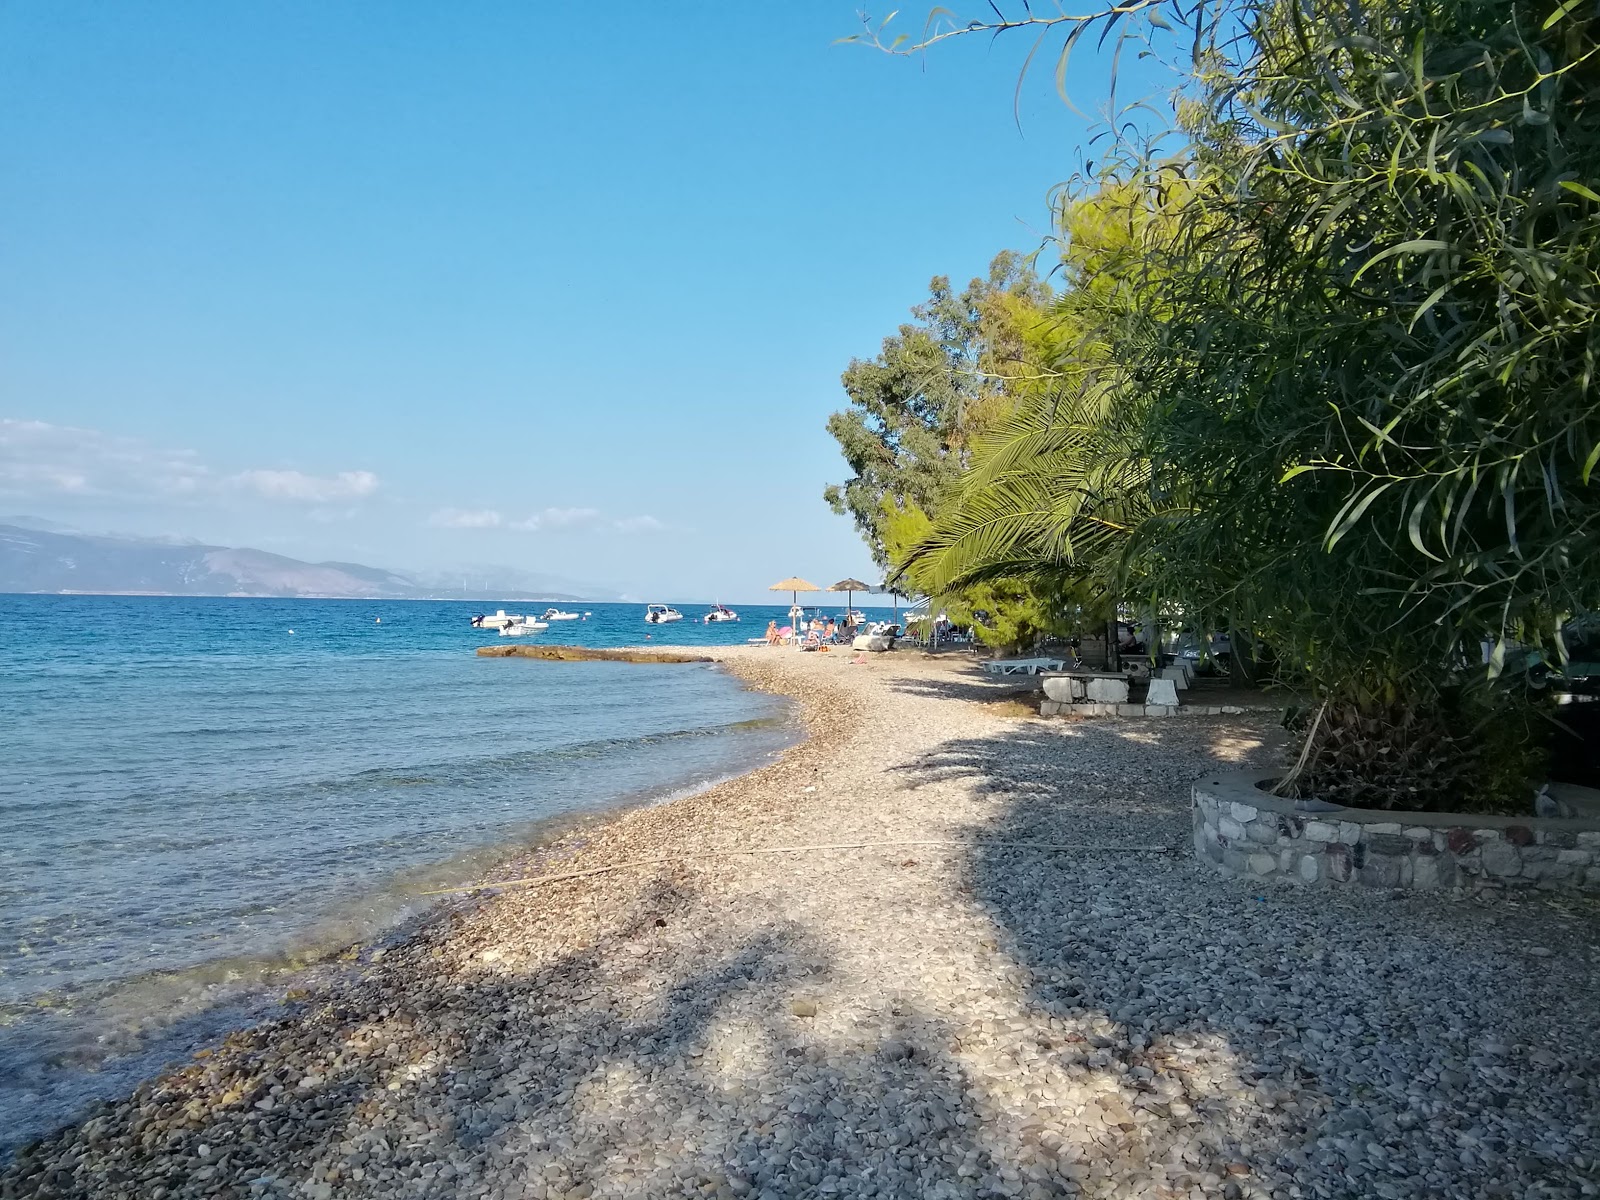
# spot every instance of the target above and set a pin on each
(1425, 874)
(1418, 834)
(1381, 871)
(1234, 860)
(1384, 827)
(1321, 831)
(1575, 858)
(1262, 864)
(1388, 843)
(1064, 688)
(1162, 691)
(1107, 691)
(1262, 831)
(1286, 860)
(1460, 841)
(1561, 839)
(1591, 877)
(1243, 813)
(1309, 868)
(1501, 859)
(1051, 708)
(1231, 829)
(1554, 872)
(1349, 832)
(1129, 710)
(1337, 864)
(1160, 710)
(1589, 838)
(1519, 835)
(1405, 871)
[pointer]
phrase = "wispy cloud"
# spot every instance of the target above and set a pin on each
(38, 459)
(466, 518)
(559, 518)
(640, 524)
(42, 460)
(311, 489)
(544, 519)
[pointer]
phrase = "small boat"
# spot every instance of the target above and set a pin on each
(498, 619)
(518, 628)
(661, 614)
(555, 614)
(720, 612)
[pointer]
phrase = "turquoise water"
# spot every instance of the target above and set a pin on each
(192, 793)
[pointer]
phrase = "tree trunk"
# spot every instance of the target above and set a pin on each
(1242, 666)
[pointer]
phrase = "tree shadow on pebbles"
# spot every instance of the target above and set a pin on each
(1094, 1023)
(641, 1065)
(1282, 1041)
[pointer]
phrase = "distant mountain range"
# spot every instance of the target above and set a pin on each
(40, 556)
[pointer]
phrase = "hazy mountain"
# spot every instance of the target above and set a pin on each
(34, 559)
(493, 581)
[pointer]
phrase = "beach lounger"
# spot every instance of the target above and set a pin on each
(1022, 666)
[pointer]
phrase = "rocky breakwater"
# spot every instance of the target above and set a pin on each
(593, 654)
(1245, 830)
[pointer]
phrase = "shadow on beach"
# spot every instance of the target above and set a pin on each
(1354, 1020)
(1147, 1028)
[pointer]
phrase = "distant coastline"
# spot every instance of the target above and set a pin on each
(40, 561)
(492, 598)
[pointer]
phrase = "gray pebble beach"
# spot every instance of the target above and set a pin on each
(1049, 997)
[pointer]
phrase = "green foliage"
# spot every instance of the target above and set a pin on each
(916, 410)
(1334, 378)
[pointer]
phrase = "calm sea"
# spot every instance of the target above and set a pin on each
(195, 793)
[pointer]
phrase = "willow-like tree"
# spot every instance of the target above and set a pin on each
(1363, 343)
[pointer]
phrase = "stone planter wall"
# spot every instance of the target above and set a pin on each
(1245, 831)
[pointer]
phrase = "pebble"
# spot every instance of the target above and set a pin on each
(978, 1021)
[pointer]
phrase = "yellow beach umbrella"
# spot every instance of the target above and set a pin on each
(850, 587)
(793, 585)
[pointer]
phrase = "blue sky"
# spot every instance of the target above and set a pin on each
(425, 285)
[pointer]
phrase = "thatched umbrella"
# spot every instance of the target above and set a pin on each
(850, 587)
(793, 585)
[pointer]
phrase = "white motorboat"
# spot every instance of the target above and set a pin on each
(498, 619)
(720, 612)
(555, 614)
(661, 614)
(520, 627)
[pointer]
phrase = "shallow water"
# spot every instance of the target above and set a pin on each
(192, 795)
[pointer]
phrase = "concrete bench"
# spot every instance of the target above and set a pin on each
(1098, 687)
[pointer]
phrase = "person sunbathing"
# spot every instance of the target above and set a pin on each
(773, 637)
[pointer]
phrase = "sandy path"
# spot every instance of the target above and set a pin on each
(968, 1020)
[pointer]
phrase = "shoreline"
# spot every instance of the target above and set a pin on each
(913, 1006)
(236, 994)
(287, 979)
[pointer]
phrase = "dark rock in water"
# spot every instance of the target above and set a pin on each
(591, 654)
